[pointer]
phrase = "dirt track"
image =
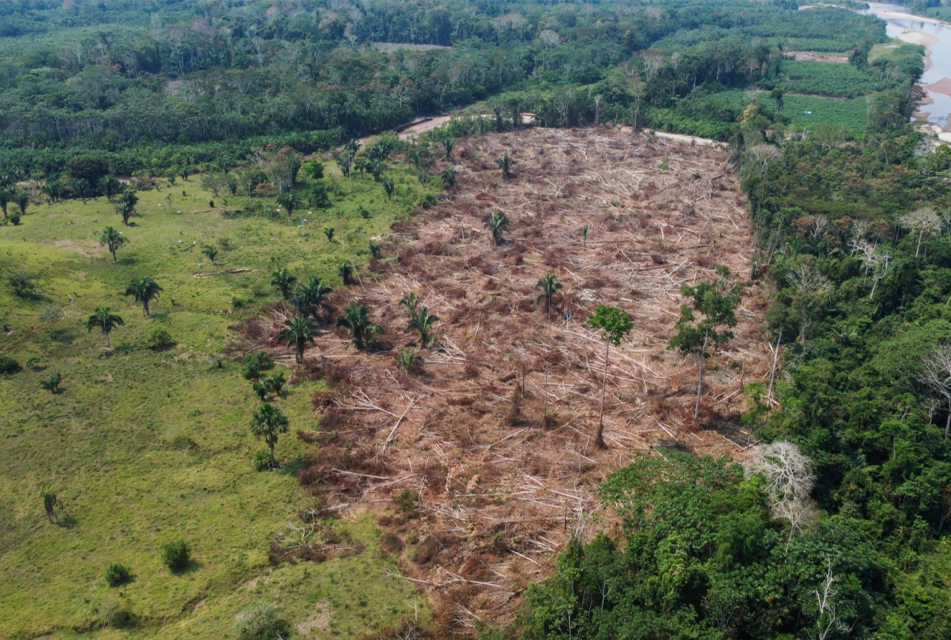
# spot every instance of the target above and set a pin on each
(502, 488)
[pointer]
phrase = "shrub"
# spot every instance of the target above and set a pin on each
(51, 384)
(116, 616)
(262, 622)
(261, 460)
(117, 574)
(32, 362)
(23, 285)
(158, 338)
(176, 555)
(8, 365)
(255, 363)
(15, 219)
(407, 500)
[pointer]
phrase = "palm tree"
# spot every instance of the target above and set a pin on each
(409, 302)
(126, 206)
(505, 163)
(109, 186)
(51, 384)
(211, 252)
(50, 502)
(345, 271)
(356, 319)
(260, 389)
(299, 331)
(289, 201)
(448, 178)
(145, 291)
(22, 198)
(448, 144)
(549, 286)
(421, 320)
(310, 296)
(5, 198)
(104, 320)
(498, 224)
(268, 423)
(276, 383)
(112, 239)
(388, 187)
(283, 281)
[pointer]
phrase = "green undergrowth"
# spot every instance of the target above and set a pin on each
(146, 446)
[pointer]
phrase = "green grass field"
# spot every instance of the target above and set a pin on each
(850, 114)
(144, 446)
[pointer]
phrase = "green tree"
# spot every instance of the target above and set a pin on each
(310, 296)
(269, 423)
(298, 332)
(109, 186)
(329, 232)
(276, 383)
(388, 187)
(549, 286)
(614, 325)
(448, 177)
(345, 271)
(314, 169)
(318, 196)
(50, 503)
(448, 144)
(697, 334)
(409, 302)
(289, 201)
(104, 320)
(422, 321)
(356, 319)
(22, 199)
(144, 291)
(5, 199)
(283, 281)
(260, 389)
(126, 206)
(210, 251)
(498, 225)
(505, 163)
(346, 157)
(51, 384)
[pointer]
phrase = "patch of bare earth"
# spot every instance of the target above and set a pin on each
(318, 622)
(501, 486)
(814, 56)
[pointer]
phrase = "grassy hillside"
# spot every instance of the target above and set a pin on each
(146, 446)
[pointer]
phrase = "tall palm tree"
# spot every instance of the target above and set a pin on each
(505, 163)
(298, 332)
(498, 224)
(22, 198)
(356, 319)
(310, 296)
(448, 177)
(422, 321)
(50, 502)
(105, 321)
(112, 239)
(549, 286)
(126, 206)
(268, 423)
(283, 281)
(5, 198)
(144, 291)
(448, 144)
(345, 271)
(389, 187)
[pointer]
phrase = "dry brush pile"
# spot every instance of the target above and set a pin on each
(489, 444)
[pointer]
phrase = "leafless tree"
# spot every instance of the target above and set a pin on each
(860, 228)
(936, 375)
(827, 622)
(923, 221)
(811, 289)
(789, 481)
(867, 253)
(653, 62)
(820, 224)
(881, 268)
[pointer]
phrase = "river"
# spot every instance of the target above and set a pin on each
(936, 80)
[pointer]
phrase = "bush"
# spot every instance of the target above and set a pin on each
(117, 574)
(15, 219)
(23, 285)
(255, 363)
(261, 460)
(407, 500)
(262, 622)
(116, 616)
(176, 555)
(8, 365)
(158, 338)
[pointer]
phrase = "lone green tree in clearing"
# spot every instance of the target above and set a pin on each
(210, 251)
(549, 286)
(109, 186)
(409, 302)
(498, 225)
(448, 177)
(112, 240)
(505, 163)
(422, 321)
(5, 198)
(448, 144)
(389, 187)
(22, 198)
(268, 422)
(289, 201)
(614, 325)
(105, 321)
(310, 296)
(697, 334)
(283, 281)
(356, 320)
(144, 291)
(298, 332)
(126, 206)
(345, 271)
(50, 503)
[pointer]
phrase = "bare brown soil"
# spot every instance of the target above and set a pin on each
(501, 486)
(814, 56)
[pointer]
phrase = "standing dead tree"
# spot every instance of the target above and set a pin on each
(789, 481)
(924, 221)
(936, 375)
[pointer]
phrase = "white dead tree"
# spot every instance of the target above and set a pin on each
(866, 252)
(860, 229)
(936, 375)
(789, 482)
(827, 620)
(811, 288)
(924, 221)
(882, 266)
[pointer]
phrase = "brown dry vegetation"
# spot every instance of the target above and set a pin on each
(501, 487)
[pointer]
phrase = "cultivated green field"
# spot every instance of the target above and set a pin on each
(146, 446)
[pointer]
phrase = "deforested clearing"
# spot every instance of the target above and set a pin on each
(489, 443)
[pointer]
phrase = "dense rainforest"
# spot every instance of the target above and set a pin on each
(852, 219)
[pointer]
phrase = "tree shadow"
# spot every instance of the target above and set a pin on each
(159, 317)
(192, 566)
(67, 521)
(125, 349)
(63, 336)
(293, 467)
(127, 261)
